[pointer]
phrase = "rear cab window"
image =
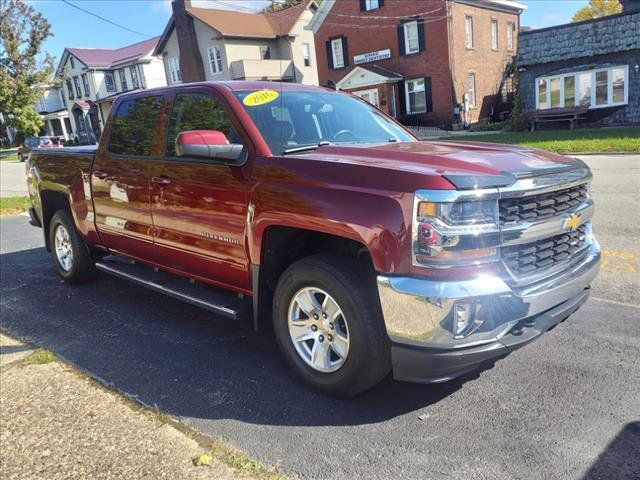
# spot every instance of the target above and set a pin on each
(134, 126)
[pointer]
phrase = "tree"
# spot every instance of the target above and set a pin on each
(22, 32)
(597, 9)
(277, 5)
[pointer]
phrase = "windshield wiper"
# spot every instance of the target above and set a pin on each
(305, 148)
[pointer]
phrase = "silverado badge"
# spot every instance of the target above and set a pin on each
(572, 222)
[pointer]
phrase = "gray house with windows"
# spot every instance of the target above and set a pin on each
(593, 65)
(91, 78)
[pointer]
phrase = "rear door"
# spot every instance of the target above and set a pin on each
(120, 178)
(199, 206)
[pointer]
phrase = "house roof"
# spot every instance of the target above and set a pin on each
(109, 58)
(231, 23)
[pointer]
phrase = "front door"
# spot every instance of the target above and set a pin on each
(199, 206)
(120, 179)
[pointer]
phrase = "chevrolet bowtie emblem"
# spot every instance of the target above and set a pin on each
(572, 222)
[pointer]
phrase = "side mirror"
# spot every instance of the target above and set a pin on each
(208, 144)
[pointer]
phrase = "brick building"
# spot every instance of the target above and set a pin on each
(593, 64)
(419, 60)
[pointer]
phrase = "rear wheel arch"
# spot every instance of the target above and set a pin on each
(51, 201)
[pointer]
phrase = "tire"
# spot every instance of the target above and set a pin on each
(82, 266)
(369, 353)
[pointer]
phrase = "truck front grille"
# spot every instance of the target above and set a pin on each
(544, 205)
(532, 257)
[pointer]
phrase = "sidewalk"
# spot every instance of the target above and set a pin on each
(56, 423)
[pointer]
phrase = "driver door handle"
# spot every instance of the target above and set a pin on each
(162, 180)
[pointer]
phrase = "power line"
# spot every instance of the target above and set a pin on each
(106, 20)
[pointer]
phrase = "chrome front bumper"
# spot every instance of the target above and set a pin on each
(418, 315)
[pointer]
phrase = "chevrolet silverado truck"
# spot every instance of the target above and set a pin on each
(309, 212)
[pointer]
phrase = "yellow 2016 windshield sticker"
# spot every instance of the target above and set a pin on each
(260, 98)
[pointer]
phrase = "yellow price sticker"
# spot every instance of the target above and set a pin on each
(260, 98)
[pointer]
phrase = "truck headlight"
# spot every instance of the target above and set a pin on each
(456, 233)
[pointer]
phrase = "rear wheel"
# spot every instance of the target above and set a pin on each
(71, 256)
(329, 327)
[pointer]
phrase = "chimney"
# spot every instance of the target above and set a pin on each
(191, 66)
(629, 6)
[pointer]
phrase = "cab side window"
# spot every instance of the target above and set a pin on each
(198, 111)
(134, 125)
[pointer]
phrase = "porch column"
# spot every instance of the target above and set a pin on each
(64, 129)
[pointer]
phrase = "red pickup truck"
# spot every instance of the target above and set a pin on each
(366, 250)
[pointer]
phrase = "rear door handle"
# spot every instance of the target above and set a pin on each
(100, 174)
(163, 181)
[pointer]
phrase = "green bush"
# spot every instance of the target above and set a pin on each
(487, 127)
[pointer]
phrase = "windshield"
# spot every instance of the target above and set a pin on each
(289, 120)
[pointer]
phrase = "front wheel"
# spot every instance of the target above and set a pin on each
(71, 256)
(328, 325)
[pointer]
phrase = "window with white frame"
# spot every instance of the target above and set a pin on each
(337, 52)
(69, 89)
(468, 31)
(471, 89)
(306, 54)
(511, 28)
(371, 5)
(411, 42)
(133, 71)
(76, 83)
(109, 82)
(215, 60)
(416, 95)
(596, 88)
(494, 34)
(85, 85)
(174, 70)
(123, 80)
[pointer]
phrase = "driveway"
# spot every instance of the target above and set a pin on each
(13, 182)
(565, 406)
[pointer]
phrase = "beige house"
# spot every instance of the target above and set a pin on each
(91, 78)
(201, 44)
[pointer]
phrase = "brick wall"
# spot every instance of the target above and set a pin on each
(445, 59)
(368, 35)
(487, 64)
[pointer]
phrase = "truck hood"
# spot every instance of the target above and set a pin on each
(466, 165)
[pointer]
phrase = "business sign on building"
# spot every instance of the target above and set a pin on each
(372, 56)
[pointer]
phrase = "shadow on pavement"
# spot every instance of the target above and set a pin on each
(180, 358)
(619, 459)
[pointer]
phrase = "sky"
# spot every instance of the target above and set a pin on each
(74, 28)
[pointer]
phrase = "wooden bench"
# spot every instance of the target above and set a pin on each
(571, 115)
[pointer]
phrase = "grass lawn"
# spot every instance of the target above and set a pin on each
(8, 155)
(13, 205)
(568, 141)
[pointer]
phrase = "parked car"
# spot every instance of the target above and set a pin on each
(31, 143)
(366, 250)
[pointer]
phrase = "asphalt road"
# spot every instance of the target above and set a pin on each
(566, 406)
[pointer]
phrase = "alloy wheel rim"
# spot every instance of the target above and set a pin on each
(64, 250)
(318, 329)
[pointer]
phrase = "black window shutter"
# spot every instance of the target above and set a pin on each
(380, 3)
(363, 5)
(329, 55)
(401, 39)
(421, 39)
(345, 51)
(403, 99)
(428, 95)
